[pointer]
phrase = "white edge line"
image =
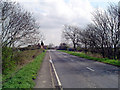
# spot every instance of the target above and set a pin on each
(90, 69)
(51, 76)
(59, 83)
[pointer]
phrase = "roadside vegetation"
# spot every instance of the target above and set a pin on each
(24, 74)
(96, 58)
(102, 36)
(20, 44)
(19, 59)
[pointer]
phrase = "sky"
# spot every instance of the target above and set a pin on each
(52, 15)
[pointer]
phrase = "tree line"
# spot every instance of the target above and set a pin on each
(101, 36)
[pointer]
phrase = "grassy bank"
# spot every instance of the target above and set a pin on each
(20, 59)
(24, 78)
(104, 60)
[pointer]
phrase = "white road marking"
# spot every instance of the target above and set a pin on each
(50, 61)
(58, 80)
(50, 57)
(51, 71)
(90, 69)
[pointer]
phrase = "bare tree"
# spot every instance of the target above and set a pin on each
(104, 33)
(89, 38)
(109, 31)
(114, 27)
(101, 36)
(19, 27)
(72, 33)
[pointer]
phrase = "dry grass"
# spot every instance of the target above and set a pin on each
(25, 57)
(94, 55)
(22, 58)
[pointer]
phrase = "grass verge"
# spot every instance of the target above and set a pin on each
(104, 60)
(25, 77)
(21, 59)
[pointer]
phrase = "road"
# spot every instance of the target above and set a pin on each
(75, 72)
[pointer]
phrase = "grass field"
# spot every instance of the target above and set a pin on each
(24, 77)
(104, 60)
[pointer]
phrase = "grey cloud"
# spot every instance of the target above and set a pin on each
(53, 14)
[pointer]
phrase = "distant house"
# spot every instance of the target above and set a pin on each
(33, 47)
(38, 46)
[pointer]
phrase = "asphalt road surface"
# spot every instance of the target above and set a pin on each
(75, 72)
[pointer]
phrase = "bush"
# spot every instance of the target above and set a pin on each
(8, 62)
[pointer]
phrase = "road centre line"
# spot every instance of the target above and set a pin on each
(90, 69)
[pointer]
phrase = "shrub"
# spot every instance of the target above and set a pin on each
(8, 62)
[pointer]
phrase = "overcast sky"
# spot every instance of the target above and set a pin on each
(53, 14)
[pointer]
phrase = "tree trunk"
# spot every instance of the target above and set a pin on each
(85, 48)
(114, 52)
(74, 46)
(103, 52)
